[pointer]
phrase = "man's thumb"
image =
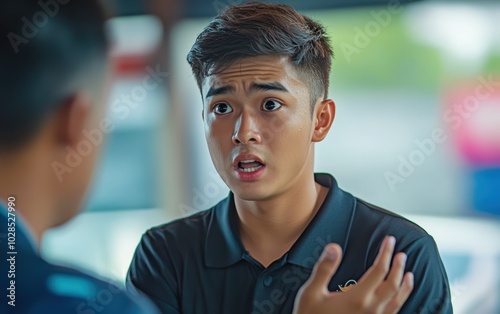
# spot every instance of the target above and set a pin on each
(325, 267)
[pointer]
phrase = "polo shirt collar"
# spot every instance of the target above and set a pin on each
(332, 223)
(223, 246)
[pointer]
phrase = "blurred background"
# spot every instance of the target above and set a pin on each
(417, 130)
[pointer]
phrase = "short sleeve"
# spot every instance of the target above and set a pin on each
(431, 291)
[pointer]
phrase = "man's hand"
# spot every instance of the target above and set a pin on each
(380, 290)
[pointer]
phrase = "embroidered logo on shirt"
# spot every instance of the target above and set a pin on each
(348, 285)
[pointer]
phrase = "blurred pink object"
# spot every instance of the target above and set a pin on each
(473, 115)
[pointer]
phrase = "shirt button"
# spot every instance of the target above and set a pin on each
(268, 281)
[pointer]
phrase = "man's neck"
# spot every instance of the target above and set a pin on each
(25, 183)
(269, 228)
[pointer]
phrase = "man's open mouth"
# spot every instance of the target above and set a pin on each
(249, 165)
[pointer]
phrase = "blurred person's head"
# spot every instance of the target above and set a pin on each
(263, 72)
(53, 69)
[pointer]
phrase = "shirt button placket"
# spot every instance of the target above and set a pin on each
(268, 281)
(262, 302)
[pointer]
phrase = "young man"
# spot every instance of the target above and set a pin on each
(53, 65)
(263, 70)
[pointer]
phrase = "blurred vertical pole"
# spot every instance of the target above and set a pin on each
(173, 188)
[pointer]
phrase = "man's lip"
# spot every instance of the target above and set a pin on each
(242, 157)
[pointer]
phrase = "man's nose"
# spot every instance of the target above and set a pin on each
(246, 130)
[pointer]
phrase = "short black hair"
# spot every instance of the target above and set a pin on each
(257, 28)
(46, 48)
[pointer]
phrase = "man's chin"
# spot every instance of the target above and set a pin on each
(251, 195)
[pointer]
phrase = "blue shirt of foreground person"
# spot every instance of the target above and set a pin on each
(53, 68)
(33, 285)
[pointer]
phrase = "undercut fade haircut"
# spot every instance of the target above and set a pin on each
(49, 49)
(256, 28)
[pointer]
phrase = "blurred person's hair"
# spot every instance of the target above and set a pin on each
(48, 50)
(254, 29)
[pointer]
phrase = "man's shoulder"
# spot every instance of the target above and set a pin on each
(431, 288)
(385, 221)
(193, 226)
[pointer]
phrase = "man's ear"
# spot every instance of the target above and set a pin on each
(324, 115)
(72, 117)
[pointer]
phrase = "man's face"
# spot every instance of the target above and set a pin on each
(258, 126)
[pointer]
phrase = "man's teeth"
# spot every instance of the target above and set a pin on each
(247, 161)
(250, 169)
(249, 165)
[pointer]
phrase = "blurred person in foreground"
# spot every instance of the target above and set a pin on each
(53, 73)
(286, 239)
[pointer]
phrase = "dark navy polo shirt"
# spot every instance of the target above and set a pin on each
(198, 264)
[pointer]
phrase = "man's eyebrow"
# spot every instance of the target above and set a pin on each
(269, 86)
(276, 86)
(213, 91)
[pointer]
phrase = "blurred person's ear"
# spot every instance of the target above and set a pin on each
(71, 118)
(73, 153)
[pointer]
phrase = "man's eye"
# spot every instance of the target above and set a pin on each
(271, 105)
(222, 108)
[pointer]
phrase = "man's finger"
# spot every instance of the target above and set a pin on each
(400, 298)
(392, 283)
(325, 268)
(377, 272)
